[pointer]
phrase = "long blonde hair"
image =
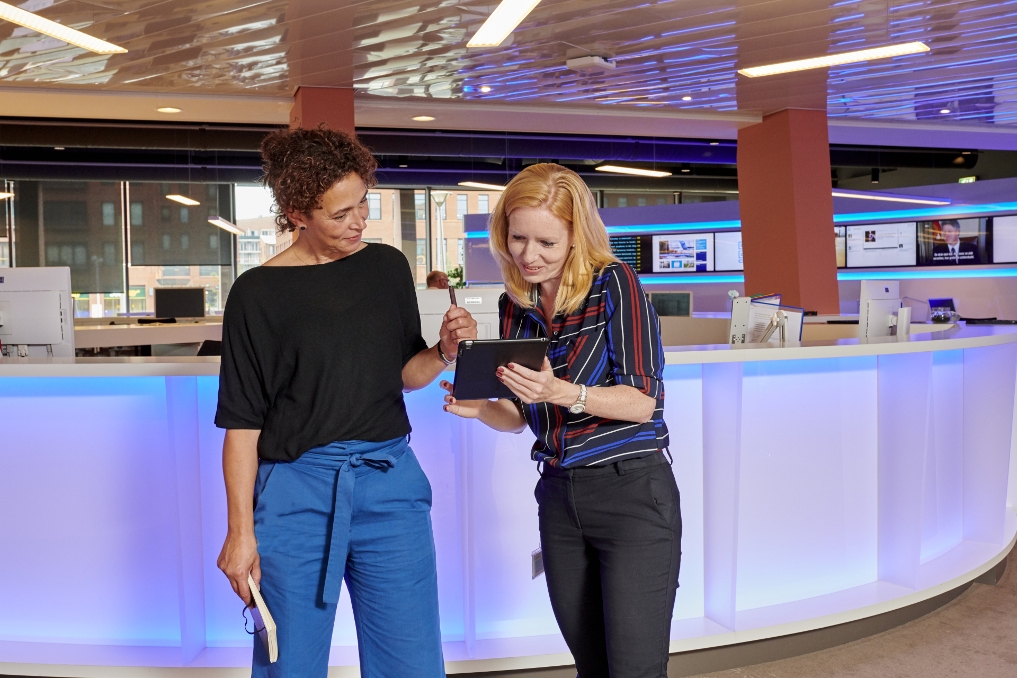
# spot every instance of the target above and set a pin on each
(561, 192)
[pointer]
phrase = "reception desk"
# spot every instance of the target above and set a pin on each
(821, 483)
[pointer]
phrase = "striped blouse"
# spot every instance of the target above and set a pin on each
(614, 338)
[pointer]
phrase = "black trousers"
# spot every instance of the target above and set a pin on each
(611, 542)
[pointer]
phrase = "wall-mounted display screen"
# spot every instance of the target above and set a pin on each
(881, 245)
(952, 242)
(1004, 240)
(840, 242)
(634, 250)
(728, 251)
(683, 253)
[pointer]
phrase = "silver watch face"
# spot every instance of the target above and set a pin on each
(578, 408)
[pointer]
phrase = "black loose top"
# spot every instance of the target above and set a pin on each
(613, 339)
(314, 354)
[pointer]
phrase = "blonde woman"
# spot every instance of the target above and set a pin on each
(610, 522)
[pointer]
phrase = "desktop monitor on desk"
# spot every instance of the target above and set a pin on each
(880, 309)
(36, 312)
(179, 302)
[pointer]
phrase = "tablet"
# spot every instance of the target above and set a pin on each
(478, 361)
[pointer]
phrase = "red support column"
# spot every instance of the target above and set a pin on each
(787, 210)
(330, 105)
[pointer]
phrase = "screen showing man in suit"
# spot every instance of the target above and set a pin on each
(951, 242)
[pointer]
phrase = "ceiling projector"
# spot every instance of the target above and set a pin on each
(590, 64)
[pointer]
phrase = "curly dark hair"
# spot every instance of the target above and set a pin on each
(301, 165)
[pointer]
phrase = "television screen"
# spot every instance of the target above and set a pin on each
(683, 253)
(839, 239)
(634, 250)
(1004, 240)
(952, 242)
(728, 254)
(881, 245)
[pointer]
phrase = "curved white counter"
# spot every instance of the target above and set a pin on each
(821, 483)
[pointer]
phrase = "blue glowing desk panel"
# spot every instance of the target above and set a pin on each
(820, 483)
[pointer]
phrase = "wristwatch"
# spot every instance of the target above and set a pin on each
(580, 405)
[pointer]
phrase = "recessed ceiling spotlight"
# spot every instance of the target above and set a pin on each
(404, 165)
(617, 169)
(503, 20)
(477, 184)
(836, 59)
(34, 22)
(58, 148)
(485, 88)
(945, 111)
(965, 152)
(686, 98)
(423, 118)
(168, 109)
(182, 199)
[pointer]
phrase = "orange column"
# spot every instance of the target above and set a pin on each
(787, 210)
(330, 105)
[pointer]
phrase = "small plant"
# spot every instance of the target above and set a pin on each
(455, 278)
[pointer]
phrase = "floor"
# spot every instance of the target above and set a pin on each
(974, 635)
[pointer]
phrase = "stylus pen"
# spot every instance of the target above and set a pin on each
(452, 295)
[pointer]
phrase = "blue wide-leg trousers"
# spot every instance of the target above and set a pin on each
(359, 511)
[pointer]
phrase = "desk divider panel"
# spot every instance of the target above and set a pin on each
(904, 382)
(989, 375)
(722, 442)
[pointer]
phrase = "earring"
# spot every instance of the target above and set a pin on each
(303, 228)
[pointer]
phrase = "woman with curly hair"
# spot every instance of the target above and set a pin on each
(319, 344)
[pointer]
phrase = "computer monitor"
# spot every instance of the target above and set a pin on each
(672, 303)
(879, 304)
(481, 302)
(945, 302)
(179, 302)
(37, 312)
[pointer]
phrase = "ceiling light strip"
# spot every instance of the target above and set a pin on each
(836, 59)
(887, 198)
(182, 199)
(503, 20)
(36, 23)
(478, 184)
(635, 171)
(4, 196)
(225, 225)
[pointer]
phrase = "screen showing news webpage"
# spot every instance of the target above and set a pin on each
(882, 245)
(683, 253)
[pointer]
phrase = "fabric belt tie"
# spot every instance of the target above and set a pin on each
(342, 515)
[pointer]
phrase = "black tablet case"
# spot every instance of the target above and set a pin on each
(478, 361)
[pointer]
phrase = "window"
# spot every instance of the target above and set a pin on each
(374, 205)
(421, 256)
(137, 214)
(461, 250)
(213, 242)
(482, 205)
(641, 202)
(165, 241)
(53, 254)
(109, 214)
(166, 213)
(176, 271)
(185, 241)
(374, 240)
(418, 206)
(623, 202)
(185, 215)
(267, 233)
(462, 206)
(109, 253)
(80, 255)
(137, 253)
(206, 271)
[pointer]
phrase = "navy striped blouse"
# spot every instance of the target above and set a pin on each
(614, 338)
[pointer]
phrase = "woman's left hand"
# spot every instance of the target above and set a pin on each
(538, 387)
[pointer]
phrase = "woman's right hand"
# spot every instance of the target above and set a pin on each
(468, 409)
(238, 558)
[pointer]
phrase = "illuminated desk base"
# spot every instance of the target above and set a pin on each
(814, 492)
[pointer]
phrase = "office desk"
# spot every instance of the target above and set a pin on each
(821, 483)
